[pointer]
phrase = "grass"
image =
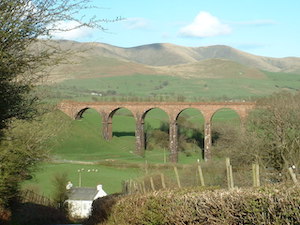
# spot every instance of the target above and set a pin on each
(166, 87)
(110, 177)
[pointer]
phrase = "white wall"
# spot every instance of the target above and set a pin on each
(79, 208)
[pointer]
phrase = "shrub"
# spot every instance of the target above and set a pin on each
(266, 205)
(101, 209)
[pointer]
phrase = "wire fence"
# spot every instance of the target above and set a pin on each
(221, 175)
(32, 197)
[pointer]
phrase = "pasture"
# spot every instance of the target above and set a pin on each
(170, 88)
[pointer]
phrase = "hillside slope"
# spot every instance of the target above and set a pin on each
(169, 54)
(93, 60)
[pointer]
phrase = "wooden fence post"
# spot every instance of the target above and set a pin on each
(130, 187)
(163, 184)
(144, 186)
(177, 177)
(229, 174)
(152, 184)
(200, 174)
(255, 175)
(146, 166)
(293, 175)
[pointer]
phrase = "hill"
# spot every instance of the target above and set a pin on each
(170, 54)
(212, 68)
(88, 60)
(98, 72)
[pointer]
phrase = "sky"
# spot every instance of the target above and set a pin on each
(261, 27)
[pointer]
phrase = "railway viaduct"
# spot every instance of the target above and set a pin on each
(140, 109)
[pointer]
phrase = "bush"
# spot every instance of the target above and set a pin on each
(267, 205)
(101, 209)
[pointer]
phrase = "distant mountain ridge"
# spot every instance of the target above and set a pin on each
(170, 54)
(91, 60)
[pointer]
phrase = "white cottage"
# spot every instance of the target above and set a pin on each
(81, 198)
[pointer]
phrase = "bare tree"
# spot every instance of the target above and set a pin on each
(26, 26)
(271, 136)
(24, 53)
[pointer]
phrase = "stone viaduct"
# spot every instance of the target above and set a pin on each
(140, 109)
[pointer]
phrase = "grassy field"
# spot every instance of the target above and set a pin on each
(110, 177)
(166, 87)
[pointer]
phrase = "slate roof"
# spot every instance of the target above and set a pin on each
(82, 193)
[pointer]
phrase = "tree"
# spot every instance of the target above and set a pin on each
(26, 27)
(60, 194)
(271, 135)
(23, 146)
(276, 125)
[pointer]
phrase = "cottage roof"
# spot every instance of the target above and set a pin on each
(82, 193)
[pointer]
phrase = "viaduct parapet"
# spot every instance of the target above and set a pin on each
(172, 109)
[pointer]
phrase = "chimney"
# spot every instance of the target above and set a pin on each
(99, 187)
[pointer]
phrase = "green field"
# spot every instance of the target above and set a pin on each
(110, 177)
(141, 86)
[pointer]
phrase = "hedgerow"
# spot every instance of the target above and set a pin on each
(278, 204)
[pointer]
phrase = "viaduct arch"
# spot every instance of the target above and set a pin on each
(140, 109)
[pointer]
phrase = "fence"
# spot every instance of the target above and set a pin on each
(197, 177)
(32, 197)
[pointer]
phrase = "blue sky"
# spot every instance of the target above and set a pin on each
(261, 27)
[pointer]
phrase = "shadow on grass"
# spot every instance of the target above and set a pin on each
(123, 134)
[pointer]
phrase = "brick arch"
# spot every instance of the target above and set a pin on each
(112, 113)
(140, 115)
(199, 110)
(232, 109)
(148, 110)
(172, 109)
(237, 111)
(200, 113)
(80, 112)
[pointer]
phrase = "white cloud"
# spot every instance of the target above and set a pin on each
(68, 31)
(205, 25)
(136, 23)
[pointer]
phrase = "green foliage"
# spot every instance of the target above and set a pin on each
(60, 195)
(21, 149)
(23, 60)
